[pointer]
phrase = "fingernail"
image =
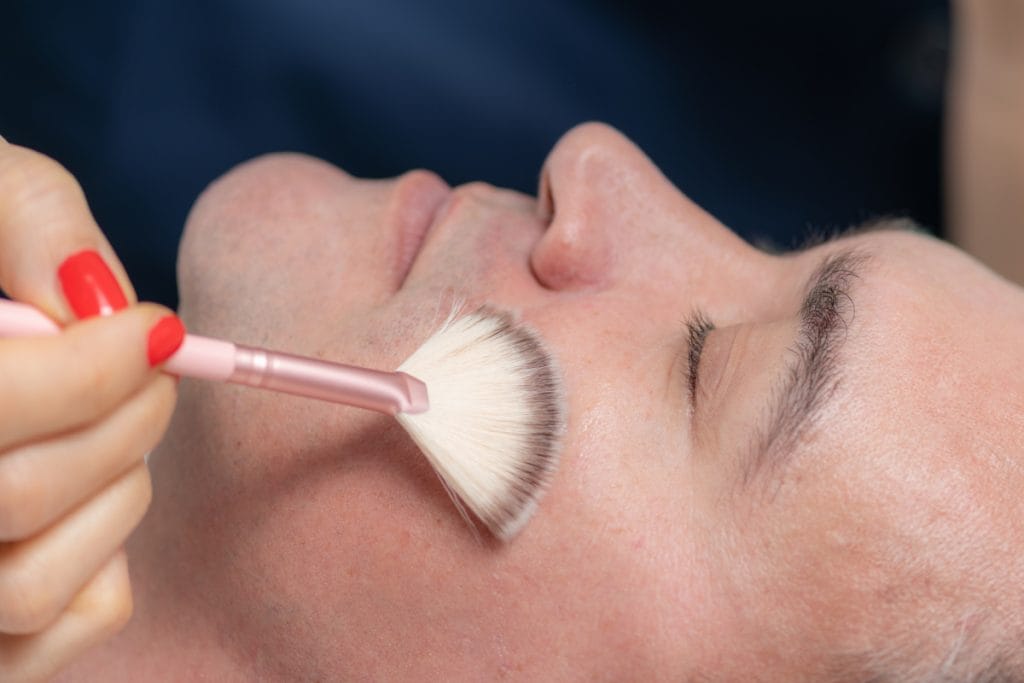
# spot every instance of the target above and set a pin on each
(89, 285)
(164, 339)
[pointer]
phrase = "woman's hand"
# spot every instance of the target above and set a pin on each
(78, 413)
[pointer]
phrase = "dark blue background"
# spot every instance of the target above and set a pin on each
(777, 117)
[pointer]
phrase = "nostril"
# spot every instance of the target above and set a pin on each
(573, 254)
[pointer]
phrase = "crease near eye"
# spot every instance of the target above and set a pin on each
(698, 326)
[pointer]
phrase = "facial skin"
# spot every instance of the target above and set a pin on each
(291, 539)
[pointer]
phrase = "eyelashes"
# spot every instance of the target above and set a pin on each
(698, 326)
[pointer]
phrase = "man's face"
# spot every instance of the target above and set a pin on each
(846, 468)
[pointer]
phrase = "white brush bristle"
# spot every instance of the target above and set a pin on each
(495, 417)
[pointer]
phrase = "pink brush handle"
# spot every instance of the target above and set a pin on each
(222, 361)
(22, 320)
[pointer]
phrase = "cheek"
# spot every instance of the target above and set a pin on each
(624, 391)
(621, 513)
(624, 444)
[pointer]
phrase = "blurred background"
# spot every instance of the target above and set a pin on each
(781, 118)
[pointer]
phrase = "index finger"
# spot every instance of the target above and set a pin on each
(44, 218)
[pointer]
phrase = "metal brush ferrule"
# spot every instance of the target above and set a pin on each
(385, 392)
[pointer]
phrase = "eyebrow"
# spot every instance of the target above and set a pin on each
(812, 380)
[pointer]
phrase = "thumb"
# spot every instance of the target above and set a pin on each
(52, 253)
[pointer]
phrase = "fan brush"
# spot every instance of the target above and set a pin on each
(481, 398)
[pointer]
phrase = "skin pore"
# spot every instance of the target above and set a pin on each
(290, 539)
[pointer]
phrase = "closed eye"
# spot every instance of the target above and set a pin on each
(699, 326)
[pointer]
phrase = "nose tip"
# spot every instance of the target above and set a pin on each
(614, 216)
(575, 251)
(600, 194)
(591, 138)
(579, 153)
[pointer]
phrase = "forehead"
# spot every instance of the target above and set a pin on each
(923, 296)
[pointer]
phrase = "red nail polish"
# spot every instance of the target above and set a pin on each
(89, 285)
(164, 339)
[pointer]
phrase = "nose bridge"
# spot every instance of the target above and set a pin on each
(615, 218)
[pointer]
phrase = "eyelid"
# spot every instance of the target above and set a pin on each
(698, 326)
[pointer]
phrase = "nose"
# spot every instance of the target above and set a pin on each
(613, 217)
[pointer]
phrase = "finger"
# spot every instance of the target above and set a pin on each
(59, 383)
(41, 482)
(40, 577)
(44, 219)
(99, 611)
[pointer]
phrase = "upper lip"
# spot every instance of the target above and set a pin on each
(415, 209)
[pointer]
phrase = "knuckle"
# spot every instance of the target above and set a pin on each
(161, 407)
(20, 499)
(26, 606)
(92, 380)
(106, 602)
(113, 607)
(145, 489)
(150, 417)
(86, 383)
(28, 178)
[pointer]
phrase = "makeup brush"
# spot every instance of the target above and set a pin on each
(481, 398)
